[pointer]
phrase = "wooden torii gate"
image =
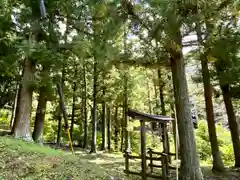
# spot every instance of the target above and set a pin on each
(163, 157)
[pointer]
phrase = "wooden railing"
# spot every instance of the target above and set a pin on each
(162, 158)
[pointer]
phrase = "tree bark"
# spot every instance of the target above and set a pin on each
(73, 109)
(103, 123)
(174, 126)
(190, 165)
(161, 95)
(233, 125)
(161, 86)
(156, 108)
(59, 134)
(84, 104)
(149, 99)
(125, 116)
(109, 128)
(116, 129)
(23, 115)
(59, 131)
(217, 160)
(40, 115)
(14, 108)
(122, 131)
(156, 99)
(94, 114)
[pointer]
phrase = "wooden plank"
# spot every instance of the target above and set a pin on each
(164, 154)
(147, 157)
(148, 117)
(143, 150)
(159, 153)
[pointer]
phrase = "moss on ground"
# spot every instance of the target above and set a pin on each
(28, 161)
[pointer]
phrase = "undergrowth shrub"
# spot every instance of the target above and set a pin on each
(152, 141)
(224, 141)
(5, 116)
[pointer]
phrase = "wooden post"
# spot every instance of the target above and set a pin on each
(164, 168)
(168, 143)
(175, 136)
(143, 150)
(165, 150)
(151, 161)
(127, 162)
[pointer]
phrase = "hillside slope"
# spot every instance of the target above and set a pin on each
(28, 161)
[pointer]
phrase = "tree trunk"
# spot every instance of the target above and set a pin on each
(84, 104)
(23, 116)
(233, 125)
(174, 126)
(161, 86)
(109, 126)
(190, 166)
(59, 132)
(156, 99)
(63, 108)
(149, 99)
(162, 103)
(125, 116)
(14, 108)
(217, 160)
(40, 115)
(103, 123)
(122, 132)
(116, 129)
(156, 108)
(73, 109)
(94, 114)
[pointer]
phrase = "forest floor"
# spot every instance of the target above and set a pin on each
(28, 161)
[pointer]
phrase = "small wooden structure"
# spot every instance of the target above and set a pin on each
(162, 157)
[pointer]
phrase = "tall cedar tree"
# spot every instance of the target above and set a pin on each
(103, 121)
(190, 165)
(84, 104)
(217, 160)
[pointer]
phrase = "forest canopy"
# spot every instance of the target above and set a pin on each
(77, 67)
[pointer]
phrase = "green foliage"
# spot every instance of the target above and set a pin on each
(4, 117)
(203, 144)
(153, 142)
(224, 139)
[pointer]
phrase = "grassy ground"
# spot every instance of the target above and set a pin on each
(28, 161)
